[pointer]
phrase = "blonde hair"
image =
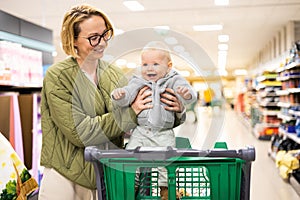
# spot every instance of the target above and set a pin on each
(160, 46)
(70, 26)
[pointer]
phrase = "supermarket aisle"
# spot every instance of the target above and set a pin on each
(225, 125)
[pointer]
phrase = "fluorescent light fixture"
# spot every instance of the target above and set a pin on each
(133, 5)
(240, 72)
(209, 27)
(223, 47)
(222, 66)
(222, 54)
(221, 2)
(222, 72)
(223, 38)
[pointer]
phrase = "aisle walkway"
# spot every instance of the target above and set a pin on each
(225, 125)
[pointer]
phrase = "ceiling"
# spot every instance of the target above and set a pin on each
(250, 24)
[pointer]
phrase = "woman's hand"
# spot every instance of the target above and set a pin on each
(173, 103)
(141, 101)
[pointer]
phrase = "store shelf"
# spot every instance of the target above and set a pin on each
(23, 60)
(25, 89)
(266, 77)
(270, 112)
(282, 92)
(295, 184)
(267, 100)
(284, 104)
(289, 105)
(294, 90)
(294, 137)
(267, 94)
(285, 117)
(295, 113)
(287, 77)
(272, 155)
(263, 131)
(292, 65)
(265, 104)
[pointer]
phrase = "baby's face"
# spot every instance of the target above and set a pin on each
(155, 65)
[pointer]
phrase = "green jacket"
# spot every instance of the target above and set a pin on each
(76, 113)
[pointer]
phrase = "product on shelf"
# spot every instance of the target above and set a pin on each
(285, 147)
(20, 66)
(267, 99)
(287, 161)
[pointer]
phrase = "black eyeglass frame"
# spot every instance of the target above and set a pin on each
(101, 36)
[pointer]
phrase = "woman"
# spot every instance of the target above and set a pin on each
(76, 107)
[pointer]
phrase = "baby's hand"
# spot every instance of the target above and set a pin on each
(118, 93)
(184, 92)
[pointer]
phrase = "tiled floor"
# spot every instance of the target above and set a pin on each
(226, 125)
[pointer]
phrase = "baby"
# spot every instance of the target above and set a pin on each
(155, 125)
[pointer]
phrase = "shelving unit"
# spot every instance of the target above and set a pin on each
(289, 104)
(267, 109)
(249, 100)
(25, 50)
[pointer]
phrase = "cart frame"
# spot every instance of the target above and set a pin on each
(94, 155)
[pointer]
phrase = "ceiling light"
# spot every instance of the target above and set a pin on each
(210, 27)
(221, 66)
(240, 72)
(133, 5)
(223, 47)
(222, 53)
(222, 72)
(223, 38)
(221, 2)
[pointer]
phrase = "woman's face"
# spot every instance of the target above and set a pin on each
(95, 25)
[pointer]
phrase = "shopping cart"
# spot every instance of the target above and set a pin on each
(217, 174)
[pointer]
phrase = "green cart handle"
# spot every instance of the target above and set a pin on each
(93, 153)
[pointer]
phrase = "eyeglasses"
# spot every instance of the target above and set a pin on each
(96, 39)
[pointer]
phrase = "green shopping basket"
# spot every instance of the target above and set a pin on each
(217, 174)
